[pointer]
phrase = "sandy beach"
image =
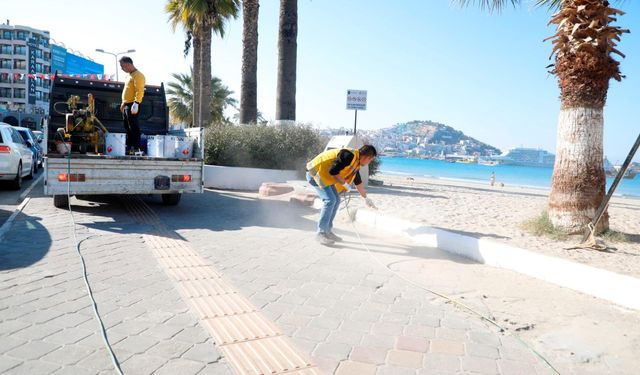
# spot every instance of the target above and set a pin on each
(497, 213)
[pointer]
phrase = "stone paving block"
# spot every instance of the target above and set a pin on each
(355, 325)
(480, 350)
(7, 363)
(448, 347)
(32, 350)
(486, 338)
(7, 343)
(170, 348)
(217, 368)
(519, 353)
(395, 370)
(345, 337)
(332, 350)
(305, 345)
(164, 331)
(205, 353)
(509, 367)
(375, 356)
(480, 365)
(451, 334)
(387, 329)
(34, 368)
(70, 320)
(310, 333)
(355, 368)
(442, 362)
(142, 364)
(136, 344)
(8, 327)
(412, 343)
(366, 316)
(426, 320)
(419, 330)
(68, 336)
(378, 341)
(180, 366)
(294, 319)
(326, 323)
(312, 311)
(326, 365)
(68, 355)
(405, 358)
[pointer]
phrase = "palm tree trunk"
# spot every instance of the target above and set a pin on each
(205, 76)
(287, 55)
(578, 184)
(249, 86)
(583, 45)
(197, 58)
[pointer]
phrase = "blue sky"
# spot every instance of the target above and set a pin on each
(481, 73)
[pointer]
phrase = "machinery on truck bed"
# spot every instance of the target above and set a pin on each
(78, 161)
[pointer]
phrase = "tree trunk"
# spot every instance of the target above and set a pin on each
(195, 79)
(578, 184)
(249, 87)
(205, 76)
(287, 54)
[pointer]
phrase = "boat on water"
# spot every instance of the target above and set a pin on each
(527, 157)
(612, 171)
(487, 162)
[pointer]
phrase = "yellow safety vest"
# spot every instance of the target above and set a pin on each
(320, 165)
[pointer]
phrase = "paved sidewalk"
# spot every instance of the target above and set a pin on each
(46, 322)
(348, 313)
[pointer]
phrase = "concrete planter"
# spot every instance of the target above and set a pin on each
(239, 178)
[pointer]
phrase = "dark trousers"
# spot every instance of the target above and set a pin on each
(132, 127)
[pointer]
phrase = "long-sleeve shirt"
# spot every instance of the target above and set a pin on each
(133, 87)
(344, 158)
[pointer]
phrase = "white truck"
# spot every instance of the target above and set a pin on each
(87, 169)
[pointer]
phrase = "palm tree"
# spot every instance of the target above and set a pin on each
(180, 100)
(249, 86)
(583, 45)
(200, 18)
(287, 55)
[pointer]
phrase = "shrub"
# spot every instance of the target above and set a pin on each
(541, 226)
(262, 146)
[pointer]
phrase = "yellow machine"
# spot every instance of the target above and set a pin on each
(82, 128)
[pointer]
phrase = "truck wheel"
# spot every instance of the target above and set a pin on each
(16, 184)
(171, 199)
(61, 201)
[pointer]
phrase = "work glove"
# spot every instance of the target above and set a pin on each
(134, 108)
(347, 187)
(370, 204)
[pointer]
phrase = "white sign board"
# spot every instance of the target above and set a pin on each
(357, 99)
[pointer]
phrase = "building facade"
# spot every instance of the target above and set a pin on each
(25, 59)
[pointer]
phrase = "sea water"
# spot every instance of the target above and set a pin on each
(510, 175)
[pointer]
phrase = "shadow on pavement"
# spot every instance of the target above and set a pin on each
(219, 211)
(25, 243)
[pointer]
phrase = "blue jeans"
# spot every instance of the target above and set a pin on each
(330, 205)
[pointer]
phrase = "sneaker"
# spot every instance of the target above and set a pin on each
(324, 239)
(334, 237)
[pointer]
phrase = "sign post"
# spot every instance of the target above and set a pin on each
(356, 99)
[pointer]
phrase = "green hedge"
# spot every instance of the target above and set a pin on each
(262, 146)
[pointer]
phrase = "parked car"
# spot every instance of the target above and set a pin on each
(38, 154)
(16, 157)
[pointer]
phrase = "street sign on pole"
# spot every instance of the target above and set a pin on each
(357, 99)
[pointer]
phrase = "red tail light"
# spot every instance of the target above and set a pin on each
(74, 177)
(5, 149)
(181, 178)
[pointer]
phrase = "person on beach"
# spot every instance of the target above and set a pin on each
(492, 179)
(330, 173)
(132, 94)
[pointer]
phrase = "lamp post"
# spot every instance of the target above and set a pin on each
(115, 55)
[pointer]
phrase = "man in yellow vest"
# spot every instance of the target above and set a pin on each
(330, 173)
(132, 95)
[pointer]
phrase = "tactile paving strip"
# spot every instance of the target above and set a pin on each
(251, 343)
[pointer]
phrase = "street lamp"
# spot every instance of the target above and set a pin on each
(115, 55)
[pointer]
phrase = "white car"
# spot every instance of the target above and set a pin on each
(16, 158)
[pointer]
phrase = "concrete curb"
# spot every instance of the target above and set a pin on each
(619, 289)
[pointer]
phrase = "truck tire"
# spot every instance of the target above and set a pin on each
(171, 199)
(61, 201)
